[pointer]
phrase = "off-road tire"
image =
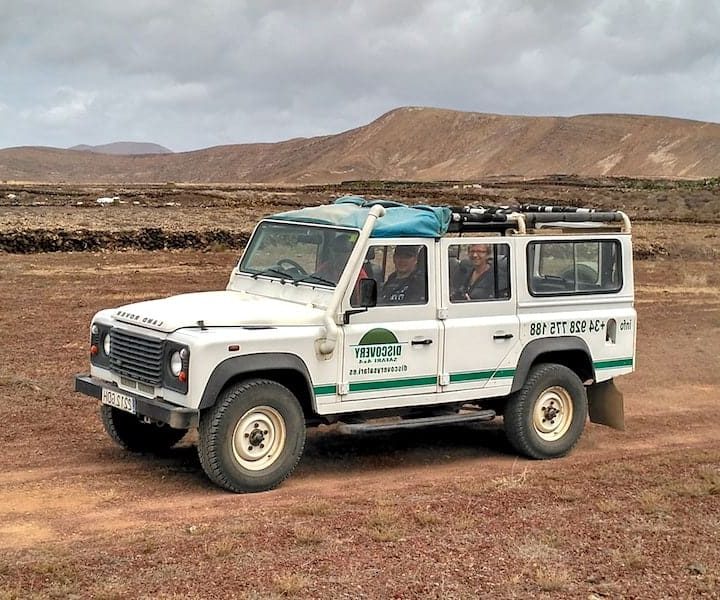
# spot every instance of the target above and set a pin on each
(131, 433)
(253, 437)
(546, 417)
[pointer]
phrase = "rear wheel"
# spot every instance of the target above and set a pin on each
(546, 417)
(135, 435)
(253, 437)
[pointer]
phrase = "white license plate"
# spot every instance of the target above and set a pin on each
(118, 400)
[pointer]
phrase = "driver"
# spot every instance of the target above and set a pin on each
(336, 257)
(406, 284)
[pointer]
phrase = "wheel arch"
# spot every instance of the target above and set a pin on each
(569, 351)
(287, 369)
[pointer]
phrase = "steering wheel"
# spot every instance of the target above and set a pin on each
(585, 274)
(291, 267)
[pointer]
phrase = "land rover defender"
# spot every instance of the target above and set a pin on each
(376, 315)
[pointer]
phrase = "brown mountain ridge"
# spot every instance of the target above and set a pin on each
(414, 144)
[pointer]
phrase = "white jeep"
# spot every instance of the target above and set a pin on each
(376, 315)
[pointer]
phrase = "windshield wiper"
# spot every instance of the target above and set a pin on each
(314, 278)
(272, 271)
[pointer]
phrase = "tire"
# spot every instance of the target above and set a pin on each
(131, 433)
(253, 437)
(546, 417)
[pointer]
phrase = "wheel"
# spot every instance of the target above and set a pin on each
(253, 437)
(291, 267)
(135, 435)
(546, 417)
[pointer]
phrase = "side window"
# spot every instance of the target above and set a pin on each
(574, 267)
(400, 272)
(479, 272)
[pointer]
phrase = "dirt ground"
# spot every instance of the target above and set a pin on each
(436, 513)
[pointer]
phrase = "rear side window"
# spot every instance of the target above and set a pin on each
(479, 272)
(567, 267)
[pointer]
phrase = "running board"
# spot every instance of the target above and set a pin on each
(452, 419)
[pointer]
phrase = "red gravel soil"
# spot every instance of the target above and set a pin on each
(434, 513)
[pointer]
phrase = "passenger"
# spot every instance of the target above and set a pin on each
(407, 284)
(475, 281)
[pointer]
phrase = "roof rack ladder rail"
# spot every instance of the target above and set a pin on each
(627, 228)
(520, 220)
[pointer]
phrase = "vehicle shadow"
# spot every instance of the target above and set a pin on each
(329, 452)
(328, 449)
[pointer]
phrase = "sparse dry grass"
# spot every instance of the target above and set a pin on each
(221, 548)
(652, 502)
(384, 525)
(539, 560)
(479, 486)
(308, 536)
(608, 505)
(290, 584)
(426, 518)
(553, 578)
(706, 482)
(632, 556)
(312, 507)
(511, 481)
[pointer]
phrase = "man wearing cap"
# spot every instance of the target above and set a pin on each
(406, 285)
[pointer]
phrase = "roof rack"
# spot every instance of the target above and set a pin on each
(506, 219)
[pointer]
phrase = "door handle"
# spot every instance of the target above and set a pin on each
(424, 342)
(502, 336)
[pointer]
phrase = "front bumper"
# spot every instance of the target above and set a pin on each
(157, 409)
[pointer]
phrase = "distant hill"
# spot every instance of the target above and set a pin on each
(124, 148)
(421, 144)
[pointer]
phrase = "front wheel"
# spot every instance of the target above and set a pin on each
(135, 435)
(546, 417)
(253, 437)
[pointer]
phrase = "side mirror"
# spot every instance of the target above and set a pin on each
(364, 296)
(367, 292)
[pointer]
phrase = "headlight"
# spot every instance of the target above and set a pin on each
(100, 345)
(176, 363)
(175, 373)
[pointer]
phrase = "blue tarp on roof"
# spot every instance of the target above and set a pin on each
(400, 220)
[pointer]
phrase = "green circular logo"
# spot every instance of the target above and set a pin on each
(378, 336)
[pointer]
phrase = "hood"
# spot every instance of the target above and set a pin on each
(217, 309)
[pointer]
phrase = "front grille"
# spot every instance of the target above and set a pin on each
(137, 357)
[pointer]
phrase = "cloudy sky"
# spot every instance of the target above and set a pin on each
(191, 74)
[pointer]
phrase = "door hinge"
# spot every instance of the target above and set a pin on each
(442, 314)
(343, 388)
(444, 379)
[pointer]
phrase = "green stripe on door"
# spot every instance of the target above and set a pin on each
(324, 390)
(481, 375)
(389, 384)
(611, 364)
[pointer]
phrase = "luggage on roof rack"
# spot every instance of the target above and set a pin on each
(504, 219)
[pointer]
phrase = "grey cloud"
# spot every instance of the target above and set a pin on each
(188, 75)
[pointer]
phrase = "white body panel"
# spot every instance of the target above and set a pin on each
(462, 351)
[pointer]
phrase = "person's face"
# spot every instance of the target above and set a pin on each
(404, 264)
(479, 254)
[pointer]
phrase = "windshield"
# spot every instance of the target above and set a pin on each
(299, 253)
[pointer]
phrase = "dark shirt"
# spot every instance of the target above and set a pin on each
(408, 290)
(482, 288)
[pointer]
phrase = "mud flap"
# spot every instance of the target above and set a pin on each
(605, 405)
